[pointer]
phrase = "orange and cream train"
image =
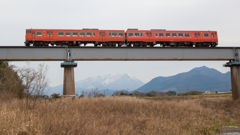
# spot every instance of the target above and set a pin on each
(121, 38)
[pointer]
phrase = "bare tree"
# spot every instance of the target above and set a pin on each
(35, 82)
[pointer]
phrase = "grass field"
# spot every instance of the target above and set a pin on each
(119, 116)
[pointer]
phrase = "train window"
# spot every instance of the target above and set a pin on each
(212, 35)
(68, 34)
(147, 34)
(120, 34)
(180, 34)
(30, 31)
(89, 34)
(33, 33)
(161, 34)
(75, 34)
(156, 34)
(136, 34)
(94, 34)
(206, 35)
(103, 34)
(187, 35)
(26, 31)
(150, 34)
(82, 34)
(114, 34)
(50, 33)
(141, 34)
(195, 34)
(167, 34)
(215, 33)
(174, 34)
(47, 33)
(60, 34)
(130, 34)
(109, 34)
(100, 34)
(39, 33)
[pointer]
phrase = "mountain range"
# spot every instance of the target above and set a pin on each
(200, 79)
(109, 82)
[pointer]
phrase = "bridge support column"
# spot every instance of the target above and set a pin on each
(235, 78)
(68, 79)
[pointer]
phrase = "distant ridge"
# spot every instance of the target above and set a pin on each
(108, 82)
(200, 78)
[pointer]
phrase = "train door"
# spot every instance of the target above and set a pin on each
(212, 37)
(33, 35)
(149, 35)
(49, 35)
(102, 36)
(197, 35)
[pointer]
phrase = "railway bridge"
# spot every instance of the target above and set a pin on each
(71, 54)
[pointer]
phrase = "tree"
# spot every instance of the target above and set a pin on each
(171, 93)
(10, 82)
(35, 82)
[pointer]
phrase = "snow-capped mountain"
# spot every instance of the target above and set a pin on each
(110, 81)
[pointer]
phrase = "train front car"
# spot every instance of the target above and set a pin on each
(149, 38)
(104, 38)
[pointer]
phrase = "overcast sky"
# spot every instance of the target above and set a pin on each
(219, 15)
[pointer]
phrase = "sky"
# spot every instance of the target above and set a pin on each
(217, 15)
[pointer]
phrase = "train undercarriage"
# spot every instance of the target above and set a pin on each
(122, 44)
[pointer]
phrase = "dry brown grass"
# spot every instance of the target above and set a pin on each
(118, 116)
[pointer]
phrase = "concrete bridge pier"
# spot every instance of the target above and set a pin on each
(68, 79)
(235, 78)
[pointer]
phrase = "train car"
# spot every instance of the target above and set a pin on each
(44, 37)
(143, 38)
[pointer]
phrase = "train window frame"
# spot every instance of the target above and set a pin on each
(206, 35)
(74, 34)
(109, 34)
(68, 34)
(120, 34)
(136, 34)
(141, 34)
(61, 35)
(89, 34)
(161, 34)
(94, 34)
(180, 35)
(82, 34)
(39, 33)
(174, 34)
(167, 34)
(130, 34)
(187, 34)
(114, 34)
(156, 34)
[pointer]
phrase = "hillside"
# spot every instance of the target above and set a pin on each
(200, 78)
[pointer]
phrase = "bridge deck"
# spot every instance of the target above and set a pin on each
(19, 53)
